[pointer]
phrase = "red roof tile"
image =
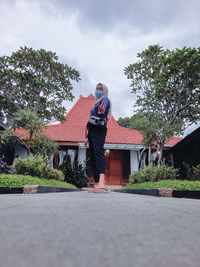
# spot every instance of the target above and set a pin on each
(73, 128)
(173, 141)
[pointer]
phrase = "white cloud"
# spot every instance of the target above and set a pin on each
(100, 54)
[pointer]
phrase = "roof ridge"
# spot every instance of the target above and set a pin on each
(76, 104)
(71, 110)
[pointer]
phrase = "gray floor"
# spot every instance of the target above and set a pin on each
(89, 229)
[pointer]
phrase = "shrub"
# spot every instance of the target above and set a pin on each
(153, 174)
(4, 167)
(196, 172)
(193, 173)
(173, 184)
(37, 167)
(19, 180)
(74, 173)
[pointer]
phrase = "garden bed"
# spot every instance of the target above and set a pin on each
(165, 188)
(17, 180)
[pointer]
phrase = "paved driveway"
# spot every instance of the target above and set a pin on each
(87, 229)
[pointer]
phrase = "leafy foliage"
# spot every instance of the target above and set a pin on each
(28, 121)
(173, 184)
(16, 180)
(167, 82)
(4, 167)
(153, 174)
(167, 86)
(8, 141)
(9, 136)
(74, 173)
(35, 79)
(124, 122)
(37, 141)
(193, 172)
(153, 129)
(42, 145)
(37, 167)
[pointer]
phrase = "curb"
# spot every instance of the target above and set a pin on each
(11, 190)
(33, 189)
(149, 192)
(162, 192)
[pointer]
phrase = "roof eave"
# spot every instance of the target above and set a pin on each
(118, 146)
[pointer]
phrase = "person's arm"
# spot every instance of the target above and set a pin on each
(102, 106)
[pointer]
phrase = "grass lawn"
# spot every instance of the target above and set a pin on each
(18, 180)
(173, 184)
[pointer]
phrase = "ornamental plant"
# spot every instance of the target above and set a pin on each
(36, 166)
(153, 174)
(74, 173)
(4, 167)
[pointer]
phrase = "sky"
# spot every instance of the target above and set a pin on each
(99, 38)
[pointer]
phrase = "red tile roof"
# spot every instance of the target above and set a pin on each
(72, 130)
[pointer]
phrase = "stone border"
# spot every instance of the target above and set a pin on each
(149, 192)
(186, 194)
(162, 192)
(11, 190)
(33, 189)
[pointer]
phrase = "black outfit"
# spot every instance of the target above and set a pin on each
(96, 138)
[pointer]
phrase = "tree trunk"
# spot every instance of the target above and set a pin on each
(140, 157)
(149, 157)
(160, 157)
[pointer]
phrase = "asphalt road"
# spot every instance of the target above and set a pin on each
(87, 229)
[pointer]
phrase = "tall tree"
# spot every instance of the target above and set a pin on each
(124, 122)
(35, 140)
(155, 133)
(35, 79)
(167, 85)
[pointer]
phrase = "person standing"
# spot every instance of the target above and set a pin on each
(96, 131)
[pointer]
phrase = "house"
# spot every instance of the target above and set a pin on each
(122, 146)
(7, 150)
(186, 152)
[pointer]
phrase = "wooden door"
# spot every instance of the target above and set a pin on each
(113, 173)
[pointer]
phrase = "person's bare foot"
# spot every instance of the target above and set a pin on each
(97, 190)
(102, 183)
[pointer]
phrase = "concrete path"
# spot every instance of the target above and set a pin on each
(98, 230)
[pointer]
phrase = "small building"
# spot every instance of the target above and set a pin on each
(186, 152)
(122, 146)
(7, 150)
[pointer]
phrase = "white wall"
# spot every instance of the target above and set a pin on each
(62, 154)
(82, 155)
(134, 160)
(21, 151)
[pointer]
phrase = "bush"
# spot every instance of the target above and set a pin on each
(74, 173)
(193, 173)
(173, 184)
(4, 167)
(196, 172)
(19, 180)
(153, 174)
(37, 167)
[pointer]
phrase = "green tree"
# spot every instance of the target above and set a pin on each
(167, 86)
(36, 141)
(35, 79)
(8, 141)
(42, 145)
(124, 122)
(155, 133)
